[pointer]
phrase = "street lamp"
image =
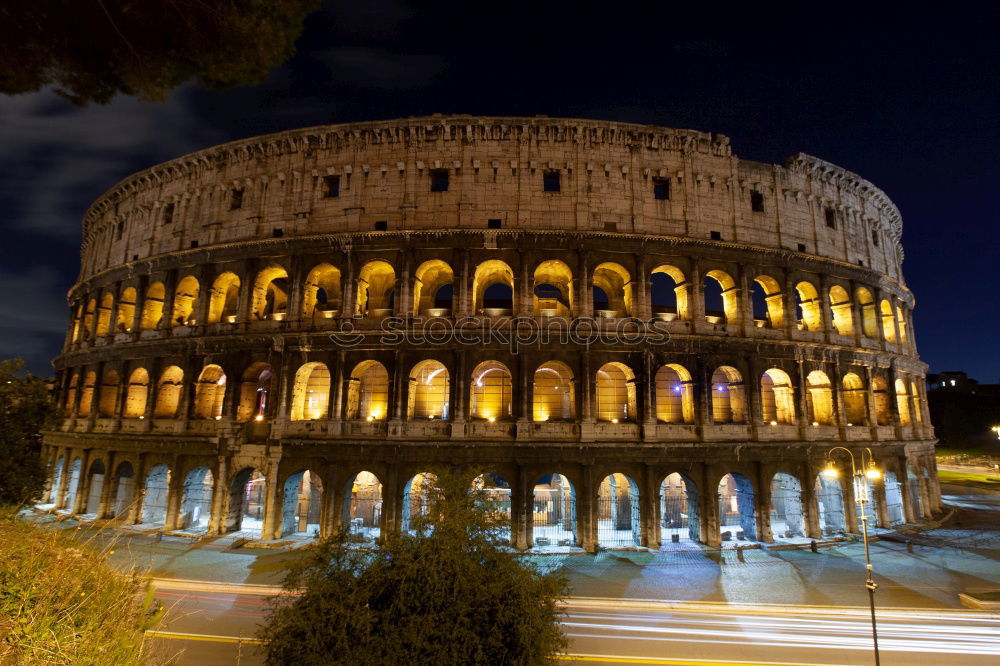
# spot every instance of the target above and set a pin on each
(861, 476)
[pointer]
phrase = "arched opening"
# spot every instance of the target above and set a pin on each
(616, 284)
(376, 288)
(777, 397)
(126, 310)
(57, 473)
(104, 314)
(893, 499)
(255, 393)
(493, 495)
(363, 507)
(196, 500)
(914, 392)
(807, 306)
(70, 403)
(830, 502)
(302, 504)
(499, 300)
(270, 294)
(88, 318)
(840, 305)
(87, 395)
(855, 400)
(107, 402)
(728, 397)
(247, 501)
(152, 307)
(901, 325)
(902, 403)
(78, 322)
(819, 399)
(668, 294)
(95, 486)
(552, 394)
(737, 514)
(618, 512)
(674, 394)
(491, 392)
(368, 392)
(136, 394)
(155, 491)
(679, 517)
(321, 295)
(420, 496)
(721, 304)
(209, 393)
(553, 520)
(553, 293)
(428, 394)
(787, 513)
(888, 325)
(615, 393)
(766, 300)
(185, 300)
(431, 278)
(311, 392)
(869, 323)
(224, 299)
(880, 394)
(124, 489)
(168, 393)
(913, 486)
(72, 483)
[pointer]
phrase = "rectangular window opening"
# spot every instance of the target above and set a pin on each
(278, 233)
(715, 235)
(439, 180)
(802, 247)
(756, 201)
(194, 244)
(236, 199)
(661, 189)
(831, 218)
(332, 187)
(381, 225)
(550, 181)
(611, 226)
(874, 238)
(493, 224)
(168, 213)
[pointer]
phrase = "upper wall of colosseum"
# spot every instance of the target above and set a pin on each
(492, 172)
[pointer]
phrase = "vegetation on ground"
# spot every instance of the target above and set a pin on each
(452, 595)
(62, 603)
(25, 409)
(977, 479)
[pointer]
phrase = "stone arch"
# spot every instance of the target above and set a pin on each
(893, 499)
(88, 318)
(104, 313)
(719, 284)
(888, 325)
(136, 394)
(554, 524)
(902, 402)
(679, 510)
(737, 510)
(185, 301)
(196, 500)
(255, 392)
(270, 294)
(152, 306)
(125, 314)
(209, 392)
(224, 298)
(553, 291)
(302, 504)
(311, 392)
(107, 401)
(494, 497)
(490, 394)
(777, 397)
(368, 392)
(362, 507)
(321, 294)
(787, 511)
(819, 399)
(615, 392)
(728, 396)
(552, 392)
(376, 288)
(124, 489)
(247, 503)
(617, 512)
(420, 497)
(901, 324)
(913, 486)
(767, 301)
(880, 394)
(87, 393)
(428, 391)
(168, 392)
(840, 306)
(668, 292)
(78, 331)
(95, 487)
(855, 399)
(869, 320)
(73, 483)
(914, 394)
(489, 273)
(808, 304)
(674, 394)
(74, 382)
(57, 474)
(830, 504)
(430, 277)
(615, 282)
(156, 489)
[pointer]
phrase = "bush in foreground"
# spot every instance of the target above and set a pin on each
(450, 596)
(62, 603)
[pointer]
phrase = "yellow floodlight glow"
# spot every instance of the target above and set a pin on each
(831, 471)
(873, 472)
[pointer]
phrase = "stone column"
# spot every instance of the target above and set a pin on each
(271, 527)
(521, 515)
(585, 301)
(810, 502)
(336, 411)
(524, 383)
(762, 502)
(641, 299)
(649, 509)
(708, 500)
(397, 394)
(586, 517)
(460, 289)
(220, 487)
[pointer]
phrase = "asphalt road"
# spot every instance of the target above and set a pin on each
(215, 626)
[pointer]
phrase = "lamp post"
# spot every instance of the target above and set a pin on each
(860, 476)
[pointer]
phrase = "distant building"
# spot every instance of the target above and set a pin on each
(963, 411)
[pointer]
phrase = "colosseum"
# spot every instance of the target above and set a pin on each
(625, 334)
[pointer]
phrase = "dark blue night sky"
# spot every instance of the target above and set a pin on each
(908, 98)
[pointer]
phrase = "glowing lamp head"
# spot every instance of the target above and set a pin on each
(218, 418)
(815, 424)
(370, 418)
(492, 419)
(774, 423)
(873, 472)
(259, 417)
(614, 420)
(830, 471)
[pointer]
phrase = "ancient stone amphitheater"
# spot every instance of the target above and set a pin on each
(626, 335)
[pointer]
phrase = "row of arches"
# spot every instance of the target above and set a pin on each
(491, 395)
(665, 291)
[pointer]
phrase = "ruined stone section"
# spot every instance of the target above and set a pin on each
(226, 367)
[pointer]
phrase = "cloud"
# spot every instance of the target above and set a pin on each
(379, 68)
(33, 315)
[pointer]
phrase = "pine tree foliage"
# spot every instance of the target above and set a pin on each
(25, 409)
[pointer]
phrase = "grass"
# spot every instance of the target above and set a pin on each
(61, 602)
(978, 479)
